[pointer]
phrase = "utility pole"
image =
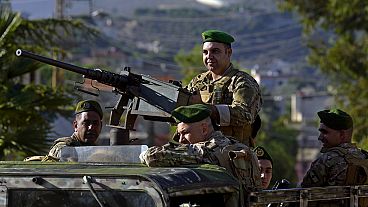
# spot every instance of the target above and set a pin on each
(90, 7)
(57, 74)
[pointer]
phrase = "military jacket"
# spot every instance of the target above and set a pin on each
(62, 142)
(330, 168)
(224, 151)
(237, 97)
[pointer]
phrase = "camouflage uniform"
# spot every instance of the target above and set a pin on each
(238, 105)
(54, 153)
(237, 158)
(330, 168)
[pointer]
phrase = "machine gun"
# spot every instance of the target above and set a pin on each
(139, 95)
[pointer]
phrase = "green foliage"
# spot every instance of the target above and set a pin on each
(28, 110)
(191, 63)
(279, 139)
(344, 55)
(341, 16)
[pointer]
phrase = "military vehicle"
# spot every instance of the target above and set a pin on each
(61, 184)
(65, 184)
(112, 176)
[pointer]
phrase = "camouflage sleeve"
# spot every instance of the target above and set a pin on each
(56, 149)
(192, 84)
(245, 95)
(328, 170)
(316, 175)
(175, 155)
(246, 101)
(189, 86)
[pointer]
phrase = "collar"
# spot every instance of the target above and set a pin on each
(215, 134)
(343, 145)
(226, 72)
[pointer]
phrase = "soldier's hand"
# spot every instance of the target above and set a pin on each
(195, 99)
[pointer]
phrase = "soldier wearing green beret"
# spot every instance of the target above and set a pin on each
(199, 143)
(87, 127)
(265, 164)
(234, 95)
(338, 154)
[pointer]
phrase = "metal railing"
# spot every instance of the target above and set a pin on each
(302, 196)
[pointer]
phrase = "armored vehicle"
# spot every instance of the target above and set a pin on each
(31, 184)
(112, 176)
(65, 184)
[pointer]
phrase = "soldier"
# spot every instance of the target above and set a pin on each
(265, 165)
(87, 127)
(339, 162)
(199, 143)
(336, 129)
(234, 96)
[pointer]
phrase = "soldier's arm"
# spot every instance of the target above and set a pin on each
(56, 150)
(54, 154)
(316, 175)
(173, 155)
(245, 105)
(195, 98)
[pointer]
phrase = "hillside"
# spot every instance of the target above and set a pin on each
(151, 35)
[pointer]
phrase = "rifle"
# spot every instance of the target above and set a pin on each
(140, 95)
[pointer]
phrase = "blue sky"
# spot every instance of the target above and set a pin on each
(34, 9)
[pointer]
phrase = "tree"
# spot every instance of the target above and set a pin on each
(279, 139)
(341, 52)
(27, 110)
(191, 63)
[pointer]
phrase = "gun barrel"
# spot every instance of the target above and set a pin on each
(105, 77)
(53, 62)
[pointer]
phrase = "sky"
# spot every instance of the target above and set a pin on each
(37, 9)
(34, 9)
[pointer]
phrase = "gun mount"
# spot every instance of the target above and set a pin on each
(139, 95)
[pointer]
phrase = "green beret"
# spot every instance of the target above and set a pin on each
(262, 154)
(217, 36)
(88, 105)
(336, 119)
(192, 113)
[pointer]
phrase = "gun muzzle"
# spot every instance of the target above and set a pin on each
(18, 52)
